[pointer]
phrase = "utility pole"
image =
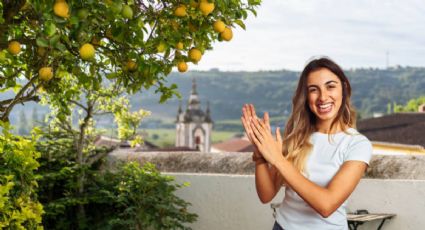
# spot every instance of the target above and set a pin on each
(387, 54)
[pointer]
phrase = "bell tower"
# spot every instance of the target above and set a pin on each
(193, 125)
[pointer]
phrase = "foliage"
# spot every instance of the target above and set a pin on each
(133, 51)
(411, 106)
(95, 102)
(19, 208)
(147, 199)
(132, 197)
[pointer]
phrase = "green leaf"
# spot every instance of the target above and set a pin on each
(60, 46)
(254, 2)
(42, 42)
(240, 23)
(16, 88)
(49, 28)
(54, 40)
(253, 12)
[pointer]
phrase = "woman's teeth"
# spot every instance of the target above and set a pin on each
(325, 107)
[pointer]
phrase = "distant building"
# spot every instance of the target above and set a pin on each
(398, 131)
(194, 126)
(235, 144)
(108, 142)
(421, 108)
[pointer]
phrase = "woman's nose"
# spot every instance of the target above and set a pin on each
(323, 95)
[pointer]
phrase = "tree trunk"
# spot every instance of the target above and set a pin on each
(80, 158)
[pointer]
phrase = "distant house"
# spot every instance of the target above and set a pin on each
(235, 144)
(398, 131)
(173, 149)
(103, 141)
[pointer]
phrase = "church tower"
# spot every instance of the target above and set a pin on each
(194, 126)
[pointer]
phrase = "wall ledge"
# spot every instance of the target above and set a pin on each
(410, 167)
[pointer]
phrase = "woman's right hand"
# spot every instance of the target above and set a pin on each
(267, 181)
(248, 112)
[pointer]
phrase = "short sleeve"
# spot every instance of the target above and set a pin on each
(359, 150)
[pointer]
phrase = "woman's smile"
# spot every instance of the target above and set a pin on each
(324, 108)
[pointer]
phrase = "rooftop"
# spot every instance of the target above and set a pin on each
(402, 128)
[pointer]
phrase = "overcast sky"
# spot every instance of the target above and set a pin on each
(355, 33)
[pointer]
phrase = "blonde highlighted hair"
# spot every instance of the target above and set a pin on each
(302, 121)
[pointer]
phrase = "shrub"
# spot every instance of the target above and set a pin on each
(131, 197)
(19, 208)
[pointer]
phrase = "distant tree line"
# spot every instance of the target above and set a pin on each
(373, 90)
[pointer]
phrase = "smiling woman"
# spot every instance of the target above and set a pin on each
(321, 157)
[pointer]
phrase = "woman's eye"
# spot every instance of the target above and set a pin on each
(331, 86)
(312, 90)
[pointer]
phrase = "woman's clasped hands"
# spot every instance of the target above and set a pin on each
(259, 133)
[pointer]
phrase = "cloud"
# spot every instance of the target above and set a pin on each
(356, 33)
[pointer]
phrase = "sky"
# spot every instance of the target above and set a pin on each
(354, 33)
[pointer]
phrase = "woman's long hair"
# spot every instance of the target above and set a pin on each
(301, 123)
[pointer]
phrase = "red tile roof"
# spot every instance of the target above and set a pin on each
(235, 145)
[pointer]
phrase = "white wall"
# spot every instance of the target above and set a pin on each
(406, 198)
(224, 201)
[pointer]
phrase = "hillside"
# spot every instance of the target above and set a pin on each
(270, 91)
(373, 90)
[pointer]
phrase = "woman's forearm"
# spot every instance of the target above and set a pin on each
(316, 196)
(265, 182)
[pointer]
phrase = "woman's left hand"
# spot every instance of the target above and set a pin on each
(270, 148)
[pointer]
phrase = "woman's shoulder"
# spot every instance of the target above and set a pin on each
(358, 147)
(356, 136)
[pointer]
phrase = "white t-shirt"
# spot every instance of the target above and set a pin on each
(322, 164)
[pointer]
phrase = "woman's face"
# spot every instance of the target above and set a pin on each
(324, 93)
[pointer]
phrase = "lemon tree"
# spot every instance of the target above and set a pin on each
(87, 54)
(131, 44)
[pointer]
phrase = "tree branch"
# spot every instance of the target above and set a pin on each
(93, 159)
(17, 99)
(79, 104)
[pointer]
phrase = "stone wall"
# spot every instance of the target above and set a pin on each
(222, 188)
(381, 166)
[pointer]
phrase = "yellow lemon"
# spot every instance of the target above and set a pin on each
(195, 54)
(179, 45)
(182, 66)
(131, 65)
(87, 51)
(14, 47)
(161, 47)
(61, 9)
(180, 11)
(219, 26)
(227, 34)
(45, 73)
(206, 7)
